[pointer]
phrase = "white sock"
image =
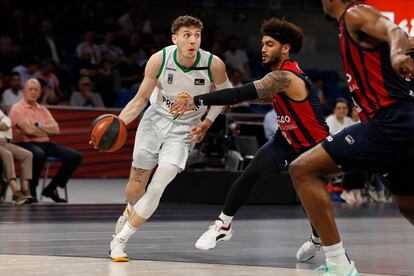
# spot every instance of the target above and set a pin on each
(314, 239)
(336, 254)
(126, 232)
(226, 219)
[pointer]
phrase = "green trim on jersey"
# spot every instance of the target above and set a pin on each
(210, 59)
(185, 69)
(163, 63)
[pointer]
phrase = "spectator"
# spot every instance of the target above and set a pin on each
(27, 70)
(9, 57)
(47, 46)
(46, 74)
(135, 45)
(9, 152)
(14, 93)
(237, 58)
(1, 82)
(106, 82)
(352, 183)
(85, 96)
(109, 51)
(339, 119)
(32, 126)
(270, 124)
(130, 72)
(88, 49)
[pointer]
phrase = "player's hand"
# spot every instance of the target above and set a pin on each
(181, 106)
(403, 65)
(198, 132)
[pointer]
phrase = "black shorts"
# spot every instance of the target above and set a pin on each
(384, 144)
(280, 151)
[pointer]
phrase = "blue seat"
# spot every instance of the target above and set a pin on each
(49, 160)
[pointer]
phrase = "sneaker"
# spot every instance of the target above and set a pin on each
(122, 220)
(308, 250)
(19, 198)
(117, 251)
(28, 195)
(331, 269)
(348, 197)
(216, 232)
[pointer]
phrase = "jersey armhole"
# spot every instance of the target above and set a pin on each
(163, 63)
(210, 75)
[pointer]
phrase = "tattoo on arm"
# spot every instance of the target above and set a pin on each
(273, 82)
(138, 175)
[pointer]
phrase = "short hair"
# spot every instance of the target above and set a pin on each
(186, 21)
(341, 100)
(285, 32)
(14, 74)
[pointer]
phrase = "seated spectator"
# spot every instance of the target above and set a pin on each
(14, 93)
(1, 82)
(136, 45)
(352, 183)
(106, 82)
(85, 96)
(130, 72)
(237, 57)
(109, 51)
(32, 126)
(270, 124)
(339, 119)
(9, 56)
(89, 48)
(27, 70)
(46, 74)
(8, 153)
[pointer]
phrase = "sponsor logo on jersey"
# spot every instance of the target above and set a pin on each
(170, 78)
(199, 82)
(329, 138)
(349, 139)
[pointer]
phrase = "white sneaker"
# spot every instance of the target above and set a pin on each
(308, 250)
(216, 232)
(122, 220)
(117, 251)
(331, 269)
(358, 196)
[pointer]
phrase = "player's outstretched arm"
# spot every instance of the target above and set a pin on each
(138, 103)
(364, 19)
(274, 82)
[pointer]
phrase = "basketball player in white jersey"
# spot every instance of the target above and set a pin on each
(162, 139)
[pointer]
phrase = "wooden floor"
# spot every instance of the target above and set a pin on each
(54, 239)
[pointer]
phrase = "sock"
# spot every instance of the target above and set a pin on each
(315, 240)
(336, 254)
(226, 219)
(130, 208)
(126, 233)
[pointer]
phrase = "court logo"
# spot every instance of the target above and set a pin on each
(170, 78)
(349, 139)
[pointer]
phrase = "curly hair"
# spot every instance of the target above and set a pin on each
(285, 32)
(186, 21)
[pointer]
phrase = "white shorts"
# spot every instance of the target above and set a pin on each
(160, 140)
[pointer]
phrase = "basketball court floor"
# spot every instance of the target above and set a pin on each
(73, 239)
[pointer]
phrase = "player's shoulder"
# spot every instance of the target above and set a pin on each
(217, 64)
(360, 13)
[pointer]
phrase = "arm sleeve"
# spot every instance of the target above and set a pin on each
(228, 96)
(216, 110)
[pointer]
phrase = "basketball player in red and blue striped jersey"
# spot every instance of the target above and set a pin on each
(299, 117)
(379, 72)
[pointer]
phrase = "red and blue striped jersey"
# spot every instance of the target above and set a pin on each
(301, 122)
(372, 81)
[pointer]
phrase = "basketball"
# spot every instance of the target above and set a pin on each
(108, 133)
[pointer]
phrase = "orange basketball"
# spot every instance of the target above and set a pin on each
(108, 133)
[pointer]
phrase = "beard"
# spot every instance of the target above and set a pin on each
(275, 60)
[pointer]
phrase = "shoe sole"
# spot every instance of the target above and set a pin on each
(225, 238)
(118, 259)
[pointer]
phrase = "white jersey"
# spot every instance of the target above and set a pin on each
(176, 81)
